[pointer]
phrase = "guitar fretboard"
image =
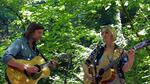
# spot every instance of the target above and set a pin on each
(46, 64)
(136, 47)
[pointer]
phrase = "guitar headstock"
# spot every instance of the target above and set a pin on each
(142, 44)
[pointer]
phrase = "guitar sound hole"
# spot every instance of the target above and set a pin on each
(36, 75)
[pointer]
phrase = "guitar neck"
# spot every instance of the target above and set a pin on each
(47, 64)
(136, 47)
(116, 61)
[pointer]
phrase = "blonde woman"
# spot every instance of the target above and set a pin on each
(107, 53)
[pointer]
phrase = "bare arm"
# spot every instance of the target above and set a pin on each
(12, 62)
(21, 67)
(129, 64)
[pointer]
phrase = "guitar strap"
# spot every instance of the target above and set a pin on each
(40, 53)
(101, 51)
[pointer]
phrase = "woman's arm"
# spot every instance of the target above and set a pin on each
(127, 66)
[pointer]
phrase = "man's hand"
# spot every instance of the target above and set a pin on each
(53, 63)
(30, 70)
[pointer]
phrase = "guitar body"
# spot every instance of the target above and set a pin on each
(108, 76)
(17, 77)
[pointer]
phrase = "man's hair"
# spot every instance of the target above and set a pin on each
(31, 29)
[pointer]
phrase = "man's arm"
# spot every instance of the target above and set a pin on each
(12, 62)
(12, 51)
(9, 59)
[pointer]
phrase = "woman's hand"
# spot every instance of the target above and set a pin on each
(90, 79)
(131, 54)
(128, 65)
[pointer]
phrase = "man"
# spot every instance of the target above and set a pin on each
(25, 48)
(108, 52)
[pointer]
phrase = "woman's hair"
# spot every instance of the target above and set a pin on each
(31, 28)
(111, 29)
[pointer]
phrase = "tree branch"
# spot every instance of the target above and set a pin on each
(128, 16)
(20, 18)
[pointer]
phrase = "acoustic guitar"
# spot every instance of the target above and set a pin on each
(17, 77)
(106, 73)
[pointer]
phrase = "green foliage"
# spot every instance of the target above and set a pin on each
(72, 26)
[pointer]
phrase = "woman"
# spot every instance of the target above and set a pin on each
(104, 54)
